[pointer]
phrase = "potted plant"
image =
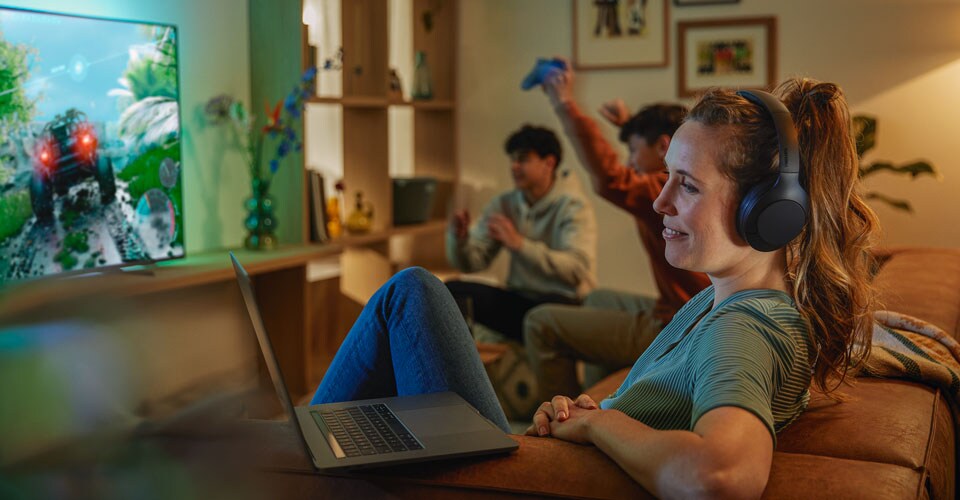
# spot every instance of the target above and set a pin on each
(865, 129)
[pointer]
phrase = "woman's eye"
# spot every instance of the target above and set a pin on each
(689, 188)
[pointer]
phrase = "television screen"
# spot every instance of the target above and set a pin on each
(89, 144)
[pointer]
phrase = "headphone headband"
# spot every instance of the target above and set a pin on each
(783, 122)
(774, 211)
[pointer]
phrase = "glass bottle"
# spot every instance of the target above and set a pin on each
(422, 82)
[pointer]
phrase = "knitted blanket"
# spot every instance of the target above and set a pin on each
(913, 349)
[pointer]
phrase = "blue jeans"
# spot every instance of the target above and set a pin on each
(410, 338)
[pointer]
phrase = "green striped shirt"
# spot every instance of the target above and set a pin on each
(749, 352)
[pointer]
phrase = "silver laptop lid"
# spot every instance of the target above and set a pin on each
(266, 348)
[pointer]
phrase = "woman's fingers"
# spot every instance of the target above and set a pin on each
(557, 409)
(586, 402)
(542, 418)
(561, 407)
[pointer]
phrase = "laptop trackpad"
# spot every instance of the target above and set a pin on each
(443, 420)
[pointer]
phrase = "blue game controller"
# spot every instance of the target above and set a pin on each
(540, 70)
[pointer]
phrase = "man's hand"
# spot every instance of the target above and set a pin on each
(460, 224)
(615, 112)
(502, 229)
(558, 84)
(564, 418)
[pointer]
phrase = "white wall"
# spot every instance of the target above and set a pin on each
(214, 59)
(896, 59)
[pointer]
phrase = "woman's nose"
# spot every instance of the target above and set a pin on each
(663, 205)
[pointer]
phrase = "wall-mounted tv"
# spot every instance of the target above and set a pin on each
(89, 144)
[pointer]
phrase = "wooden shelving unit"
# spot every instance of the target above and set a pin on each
(372, 34)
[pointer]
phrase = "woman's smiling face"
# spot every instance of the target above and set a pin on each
(699, 205)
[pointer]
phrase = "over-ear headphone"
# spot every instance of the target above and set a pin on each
(774, 211)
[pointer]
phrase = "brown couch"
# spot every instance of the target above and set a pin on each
(890, 439)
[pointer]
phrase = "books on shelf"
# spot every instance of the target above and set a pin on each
(318, 208)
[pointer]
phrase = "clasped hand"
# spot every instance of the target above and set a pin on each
(501, 228)
(564, 418)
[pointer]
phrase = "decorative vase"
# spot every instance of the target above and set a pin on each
(422, 81)
(361, 219)
(334, 226)
(260, 221)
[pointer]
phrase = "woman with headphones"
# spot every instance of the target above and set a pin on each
(763, 197)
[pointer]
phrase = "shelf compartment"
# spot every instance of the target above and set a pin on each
(366, 163)
(365, 57)
(439, 44)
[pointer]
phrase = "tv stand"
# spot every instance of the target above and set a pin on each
(140, 269)
(188, 309)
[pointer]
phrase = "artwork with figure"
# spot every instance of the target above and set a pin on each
(610, 12)
(620, 34)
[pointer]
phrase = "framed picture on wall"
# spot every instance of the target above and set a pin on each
(739, 53)
(620, 34)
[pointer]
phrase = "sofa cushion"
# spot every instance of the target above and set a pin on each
(885, 421)
(922, 282)
(809, 476)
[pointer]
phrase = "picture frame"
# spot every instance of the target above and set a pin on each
(689, 3)
(611, 34)
(738, 53)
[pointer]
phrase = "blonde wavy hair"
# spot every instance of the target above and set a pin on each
(829, 264)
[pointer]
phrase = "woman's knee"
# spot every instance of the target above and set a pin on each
(415, 277)
(420, 286)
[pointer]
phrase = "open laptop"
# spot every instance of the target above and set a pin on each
(378, 432)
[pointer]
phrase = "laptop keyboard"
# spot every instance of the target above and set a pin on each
(368, 430)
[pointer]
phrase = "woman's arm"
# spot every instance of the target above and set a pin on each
(727, 455)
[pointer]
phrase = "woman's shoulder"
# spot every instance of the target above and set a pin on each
(771, 314)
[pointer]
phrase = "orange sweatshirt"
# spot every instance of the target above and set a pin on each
(635, 193)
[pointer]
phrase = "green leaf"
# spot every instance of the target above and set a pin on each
(893, 202)
(15, 211)
(865, 130)
(913, 169)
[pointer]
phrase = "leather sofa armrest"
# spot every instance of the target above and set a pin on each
(541, 466)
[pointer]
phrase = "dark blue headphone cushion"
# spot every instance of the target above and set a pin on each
(748, 204)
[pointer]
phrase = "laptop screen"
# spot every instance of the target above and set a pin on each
(266, 348)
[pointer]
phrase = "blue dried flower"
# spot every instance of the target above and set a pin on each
(309, 74)
(217, 109)
(274, 166)
(283, 149)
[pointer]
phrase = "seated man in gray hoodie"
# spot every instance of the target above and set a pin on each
(546, 224)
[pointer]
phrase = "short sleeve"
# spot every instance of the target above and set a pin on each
(736, 365)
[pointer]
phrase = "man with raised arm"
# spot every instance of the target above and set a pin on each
(613, 328)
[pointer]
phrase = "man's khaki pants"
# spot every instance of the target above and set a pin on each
(609, 332)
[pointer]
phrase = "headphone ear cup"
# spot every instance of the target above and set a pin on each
(773, 214)
(746, 218)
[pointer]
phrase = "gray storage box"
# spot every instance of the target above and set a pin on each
(413, 199)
